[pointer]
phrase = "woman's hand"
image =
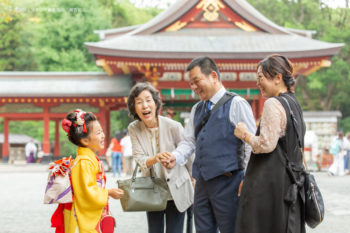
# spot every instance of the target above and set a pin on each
(159, 157)
(152, 160)
(115, 193)
(241, 130)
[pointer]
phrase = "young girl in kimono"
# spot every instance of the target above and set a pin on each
(90, 197)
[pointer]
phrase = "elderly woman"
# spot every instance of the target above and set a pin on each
(150, 135)
(266, 203)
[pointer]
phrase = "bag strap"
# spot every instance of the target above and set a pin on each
(133, 178)
(226, 97)
(295, 122)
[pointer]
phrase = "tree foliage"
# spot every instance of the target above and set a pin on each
(125, 14)
(60, 35)
(49, 36)
(328, 88)
(9, 43)
(7, 11)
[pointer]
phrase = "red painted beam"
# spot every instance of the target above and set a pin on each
(102, 119)
(46, 139)
(5, 146)
(57, 138)
(31, 116)
(55, 101)
(186, 85)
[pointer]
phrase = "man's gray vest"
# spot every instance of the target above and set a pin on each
(217, 148)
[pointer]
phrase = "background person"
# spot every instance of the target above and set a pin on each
(337, 150)
(347, 153)
(116, 155)
(31, 150)
(125, 142)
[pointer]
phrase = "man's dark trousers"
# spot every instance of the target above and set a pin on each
(216, 203)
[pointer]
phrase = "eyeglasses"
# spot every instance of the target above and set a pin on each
(259, 78)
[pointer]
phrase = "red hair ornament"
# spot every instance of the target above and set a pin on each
(66, 124)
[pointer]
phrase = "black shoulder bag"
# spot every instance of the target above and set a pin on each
(314, 206)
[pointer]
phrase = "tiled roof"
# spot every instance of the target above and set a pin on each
(18, 139)
(256, 45)
(63, 84)
(109, 33)
(150, 41)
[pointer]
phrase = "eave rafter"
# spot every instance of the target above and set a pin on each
(55, 101)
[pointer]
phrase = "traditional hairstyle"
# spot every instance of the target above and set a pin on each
(206, 65)
(135, 92)
(278, 64)
(78, 125)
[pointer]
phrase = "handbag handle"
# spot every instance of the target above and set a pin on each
(135, 171)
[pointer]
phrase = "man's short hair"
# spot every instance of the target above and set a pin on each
(206, 64)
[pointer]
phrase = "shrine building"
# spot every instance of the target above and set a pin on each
(231, 32)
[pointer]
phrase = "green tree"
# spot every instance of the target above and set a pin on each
(125, 13)
(52, 39)
(119, 121)
(7, 11)
(328, 88)
(60, 32)
(9, 42)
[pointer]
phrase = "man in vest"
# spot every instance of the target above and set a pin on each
(220, 157)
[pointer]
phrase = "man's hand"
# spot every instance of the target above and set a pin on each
(240, 188)
(168, 160)
(170, 164)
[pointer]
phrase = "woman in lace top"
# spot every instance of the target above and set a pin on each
(150, 135)
(273, 120)
(263, 206)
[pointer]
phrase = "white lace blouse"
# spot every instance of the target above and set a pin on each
(272, 127)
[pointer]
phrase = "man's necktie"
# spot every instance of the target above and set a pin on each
(207, 106)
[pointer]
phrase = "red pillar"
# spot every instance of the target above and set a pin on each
(108, 128)
(46, 140)
(57, 138)
(254, 108)
(261, 105)
(102, 120)
(6, 146)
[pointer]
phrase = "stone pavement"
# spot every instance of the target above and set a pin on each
(22, 188)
